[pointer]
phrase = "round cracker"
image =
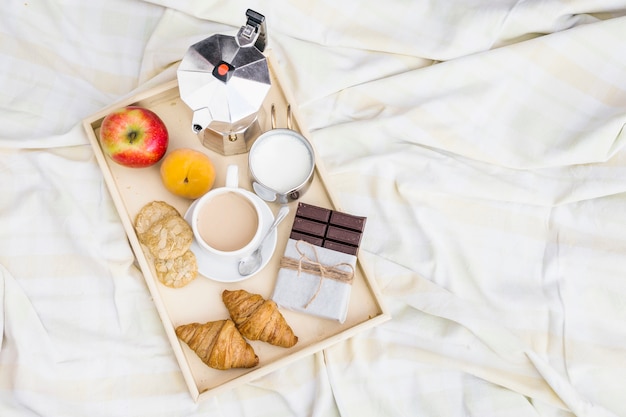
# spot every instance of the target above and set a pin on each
(169, 237)
(150, 214)
(177, 272)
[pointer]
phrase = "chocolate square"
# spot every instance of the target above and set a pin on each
(309, 227)
(316, 213)
(313, 240)
(346, 236)
(348, 221)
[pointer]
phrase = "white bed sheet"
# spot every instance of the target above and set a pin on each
(483, 140)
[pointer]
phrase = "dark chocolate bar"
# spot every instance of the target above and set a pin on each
(327, 228)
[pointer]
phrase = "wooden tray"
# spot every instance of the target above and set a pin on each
(200, 300)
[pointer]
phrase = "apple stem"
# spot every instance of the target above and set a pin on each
(132, 136)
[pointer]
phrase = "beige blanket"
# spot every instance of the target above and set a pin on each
(482, 139)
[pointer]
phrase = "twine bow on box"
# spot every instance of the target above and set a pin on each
(315, 267)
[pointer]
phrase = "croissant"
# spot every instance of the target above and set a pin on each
(219, 344)
(258, 319)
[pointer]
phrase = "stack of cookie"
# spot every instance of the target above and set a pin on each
(168, 237)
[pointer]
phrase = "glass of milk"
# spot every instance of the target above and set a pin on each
(281, 163)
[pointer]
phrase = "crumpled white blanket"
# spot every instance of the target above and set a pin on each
(483, 140)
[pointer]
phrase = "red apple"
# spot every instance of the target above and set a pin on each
(134, 136)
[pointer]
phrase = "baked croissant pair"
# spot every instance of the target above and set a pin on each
(221, 344)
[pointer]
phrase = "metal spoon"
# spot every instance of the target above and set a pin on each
(251, 263)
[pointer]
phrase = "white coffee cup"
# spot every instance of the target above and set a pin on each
(227, 221)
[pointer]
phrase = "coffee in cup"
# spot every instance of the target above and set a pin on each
(228, 221)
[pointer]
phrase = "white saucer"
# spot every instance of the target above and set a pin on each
(225, 270)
